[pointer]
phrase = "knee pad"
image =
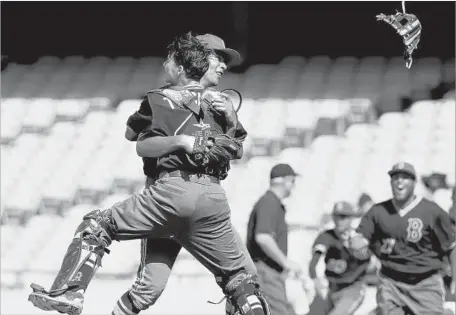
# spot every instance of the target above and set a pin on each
(244, 294)
(83, 257)
(143, 300)
(98, 224)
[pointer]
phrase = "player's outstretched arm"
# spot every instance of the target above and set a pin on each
(313, 265)
(319, 285)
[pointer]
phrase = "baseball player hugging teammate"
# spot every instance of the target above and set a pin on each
(159, 255)
(193, 145)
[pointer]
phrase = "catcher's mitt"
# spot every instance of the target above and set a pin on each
(409, 27)
(214, 150)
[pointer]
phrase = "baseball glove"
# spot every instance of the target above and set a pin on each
(409, 27)
(214, 151)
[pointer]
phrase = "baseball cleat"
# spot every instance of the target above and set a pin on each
(67, 303)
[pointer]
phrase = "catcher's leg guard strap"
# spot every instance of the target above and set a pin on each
(84, 254)
(245, 295)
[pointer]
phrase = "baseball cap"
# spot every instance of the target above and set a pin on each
(403, 167)
(282, 170)
(232, 56)
(344, 208)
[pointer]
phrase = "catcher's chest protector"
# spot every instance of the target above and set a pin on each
(177, 119)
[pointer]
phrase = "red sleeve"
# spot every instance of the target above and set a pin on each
(367, 225)
(266, 210)
(444, 230)
(322, 244)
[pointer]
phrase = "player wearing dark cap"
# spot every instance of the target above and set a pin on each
(159, 255)
(411, 236)
(267, 243)
(344, 272)
(186, 203)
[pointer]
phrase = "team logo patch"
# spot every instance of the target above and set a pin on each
(414, 230)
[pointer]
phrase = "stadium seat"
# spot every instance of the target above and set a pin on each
(69, 109)
(9, 233)
(297, 62)
(28, 244)
(448, 71)
(300, 122)
(296, 157)
(426, 73)
(74, 61)
(443, 198)
(41, 115)
(123, 259)
(13, 111)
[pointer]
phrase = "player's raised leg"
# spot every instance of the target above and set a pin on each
(149, 213)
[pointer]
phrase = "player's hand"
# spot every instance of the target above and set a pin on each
(292, 268)
(222, 105)
(187, 143)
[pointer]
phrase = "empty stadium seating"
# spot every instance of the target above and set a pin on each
(63, 152)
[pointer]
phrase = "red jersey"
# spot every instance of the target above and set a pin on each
(412, 240)
(341, 266)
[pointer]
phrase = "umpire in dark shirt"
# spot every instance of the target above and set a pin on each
(267, 239)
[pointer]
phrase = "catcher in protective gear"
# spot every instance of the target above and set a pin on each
(409, 27)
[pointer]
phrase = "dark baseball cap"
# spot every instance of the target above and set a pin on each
(282, 170)
(344, 208)
(232, 57)
(402, 167)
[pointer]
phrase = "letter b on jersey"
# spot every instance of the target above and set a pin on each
(414, 230)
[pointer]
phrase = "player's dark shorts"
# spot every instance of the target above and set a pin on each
(425, 297)
(194, 210)
(273, 285)
(343, 300)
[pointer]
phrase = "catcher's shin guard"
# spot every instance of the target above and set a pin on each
(84, 254)
(244, 293)
(79, 265)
